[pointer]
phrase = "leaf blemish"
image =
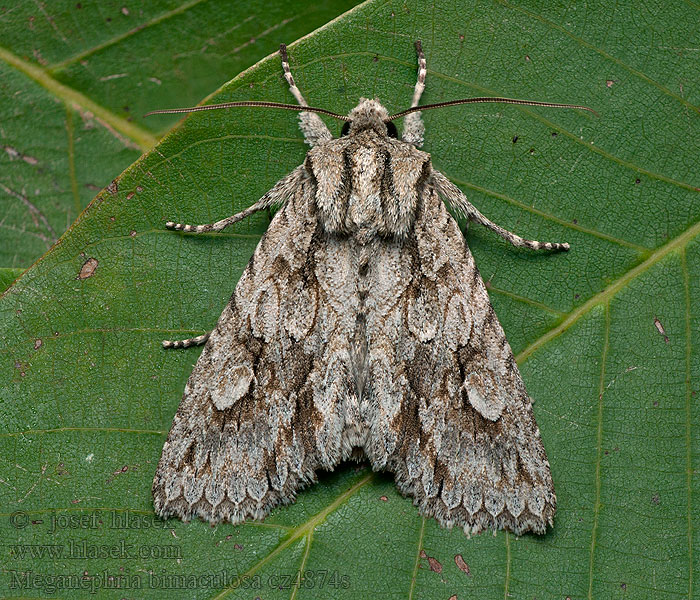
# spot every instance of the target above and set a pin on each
(13, 153)
(88, 268)
(660, 328)
(462, 565)
(113, 187)
(433, 562)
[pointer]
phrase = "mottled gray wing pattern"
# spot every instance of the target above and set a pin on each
(452, 418)
(268, 400)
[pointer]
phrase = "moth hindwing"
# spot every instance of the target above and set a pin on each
(361, 324)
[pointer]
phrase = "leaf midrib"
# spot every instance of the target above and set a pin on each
(677, 243)
(71, 97)
(299, 532)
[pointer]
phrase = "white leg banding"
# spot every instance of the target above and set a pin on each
(195, 341)
(455, 198)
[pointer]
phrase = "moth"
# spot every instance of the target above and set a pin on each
(360, 326)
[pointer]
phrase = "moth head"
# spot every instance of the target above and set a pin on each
(369, 114)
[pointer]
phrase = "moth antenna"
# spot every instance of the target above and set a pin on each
(413, 109)
(263, 104)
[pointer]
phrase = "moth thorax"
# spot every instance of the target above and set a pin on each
(366, 194)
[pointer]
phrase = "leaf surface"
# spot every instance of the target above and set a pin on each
(606, 335)
(75, 78)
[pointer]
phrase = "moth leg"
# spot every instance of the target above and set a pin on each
(277, 195)
(311, 125)
(459, 202)
(195, 341)
(413, 127)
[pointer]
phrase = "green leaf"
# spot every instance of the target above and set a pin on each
(7, 277)
(75, 78)
(606, 335)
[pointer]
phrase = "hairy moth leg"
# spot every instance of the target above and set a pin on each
(193, 341)
(459, 202)
(277, 195)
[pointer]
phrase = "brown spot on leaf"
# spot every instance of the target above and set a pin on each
(453, 597)
(383, 498)
(37, 343)
(462, 565)
(88, 268)
(113, 187)
(435, 566)
(132, 233)
(656, 499)
(130, 195)
(660, 329)
(610, 82)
